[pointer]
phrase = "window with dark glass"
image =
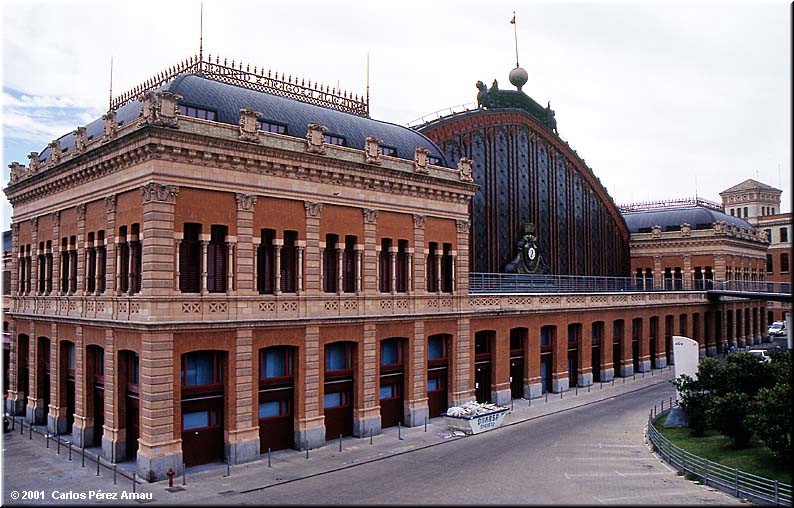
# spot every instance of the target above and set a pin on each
(389, 150)
(678, 278)
(101, 252)
(194, 420)
(768, 234)
(436, 348)
(784, 234)
(204, 114)
(124, 260)
(338, 357)
(334, 139)
(546, 335)
(41, 278)
(201, 368)
(745, 211)
(190, 259)
(391, 352)
(431, 271)
(271, 126)
(349, 265)
(574, 332)
(91, 261)
(72, 264)
(217, 259)
(784, 263)
(402, 266)
(289, 262)
(446, 269)
(49, 260)
(769, 264)
(384, 266)
(265, 274)
(648, 279)
(330, 263)
(275, 362)
(137, 258)
(274, 408)
(668, 278)
(709, 278)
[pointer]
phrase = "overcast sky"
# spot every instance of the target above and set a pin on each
(660, 99)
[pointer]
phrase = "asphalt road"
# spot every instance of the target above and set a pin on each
(590, 455)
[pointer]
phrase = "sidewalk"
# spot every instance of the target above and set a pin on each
(205, 483)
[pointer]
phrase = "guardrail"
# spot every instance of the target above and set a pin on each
(713, 474)
(532, 283)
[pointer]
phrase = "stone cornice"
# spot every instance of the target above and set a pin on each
(276, 155)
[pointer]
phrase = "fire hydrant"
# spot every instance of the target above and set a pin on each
(170, 475)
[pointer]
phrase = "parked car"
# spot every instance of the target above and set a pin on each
(777, 328)
(761, 353)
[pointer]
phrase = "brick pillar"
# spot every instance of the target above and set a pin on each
(160, 446)
(689, 272)
(366, 414)
(56, 416)
(461, 367)
(313, 278)
(15, 259)
(310, 425)
(645, 346)
(110, 244)
(243, 441)
(83, 428)
(157, 240)
(370, 251)
(559, 370)
(658, 275)
(245, 248)
(56, 253)
(36, 411)
(415, 407)
(608, 367)
(626, 358)
(34, 256)
(420, 284)
(81, 240)
(500, 391)
(584, 373)
(461, 261)
(533, 388)
(762, 322)
(113, 432)
(660, 360)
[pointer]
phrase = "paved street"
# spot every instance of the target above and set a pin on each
(583, 449)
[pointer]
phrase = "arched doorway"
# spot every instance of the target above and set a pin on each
(483, 353)
(548, 335)
(617, 347)
(276, 397)
(574, 337)
(518, 341)
(23, 371)
(42, 378)
(95, 359)
(597, 337)
(392, 381)
(202, 379)
(437, 374)
(339, 389)
(129, 392)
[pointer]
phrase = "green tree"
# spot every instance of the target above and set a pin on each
(732, 415)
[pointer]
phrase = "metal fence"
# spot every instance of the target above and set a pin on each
(480, 282)
(713, 474)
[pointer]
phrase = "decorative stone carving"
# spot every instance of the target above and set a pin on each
(719, 227)
(370, 215)
(419, 221)
(80, 139)
(315, 142)
(248, 127)
(17, 172)
(656, 231)
(110, 203)
(55, 151)
(111, 126)
(34, 225)
(158, 192)
(420, 160)
(160, 109)
(56, 219)
(35, 163)
(464, 170)
(463, 226)
(686, 229)
(372, 150)
(80, 211)
(313, 209)
(245, 202)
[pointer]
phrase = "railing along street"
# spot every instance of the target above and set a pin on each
(713, 474)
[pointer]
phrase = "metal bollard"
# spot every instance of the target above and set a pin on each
(69, 444)
(82, 463)
(588, 388)
(602, 385)
(529, 402)
(577, 390)
(268, 458)
(13, 422)
(228, 467)
(48, 439)
(547, 396)
(624, 380)
(134, 482)
(613, 381)
(511, 405)
(399, 432)
(370, 435)
(97, 465)
(114, 475)
(184, 474)
(560, 395)
(340, 442)
(21, 426)
(425, 423)
(58, 449)
(307, 448)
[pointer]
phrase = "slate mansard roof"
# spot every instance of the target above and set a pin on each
(227, 100)
(696, 216)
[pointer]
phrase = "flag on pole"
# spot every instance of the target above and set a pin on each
(513, 21)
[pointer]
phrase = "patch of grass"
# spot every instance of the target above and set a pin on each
(756, 459)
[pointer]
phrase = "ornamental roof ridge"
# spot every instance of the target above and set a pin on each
(241, 75)
(669, 204)
(749, 184)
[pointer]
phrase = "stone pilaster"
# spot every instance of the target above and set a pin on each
(56, 253)
(15, 262)
(645, 346)
(416, 407)
(310, 428)
(110, 245)
(160, 447)
(157, 250)
(314, 260)
(626, 353)
(688, 272)
(36, 411)
(83, 428)
(113, 431)
(461, 371)
(559, 373)
(243, 441)
(461, 260)
(370, 262)
(81, 268)
(366, 415)
(34, 256)
(420, 284)
(56, 416)
(658, 274)
(245, 247)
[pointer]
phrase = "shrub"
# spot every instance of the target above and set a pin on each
(732, 415)
(773, 420)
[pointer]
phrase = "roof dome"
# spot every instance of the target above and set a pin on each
(697, 217)
(519, 77)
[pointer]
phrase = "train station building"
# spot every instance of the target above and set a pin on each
(229, 261)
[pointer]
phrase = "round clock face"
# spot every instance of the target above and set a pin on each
(531, 253)
(531, 256)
